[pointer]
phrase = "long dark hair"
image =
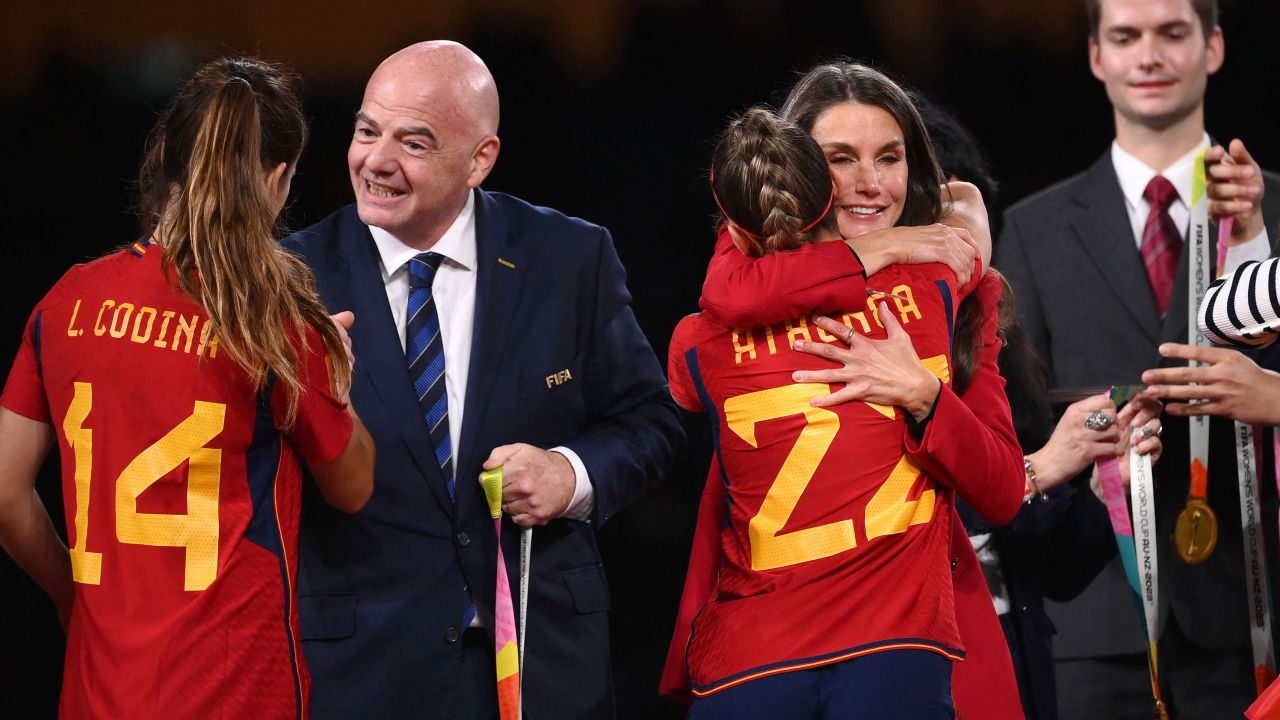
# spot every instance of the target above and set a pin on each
(205, 197)
(830, 84)
(771, 180)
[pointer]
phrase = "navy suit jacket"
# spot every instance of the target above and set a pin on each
(1085, 302)
(382, 593)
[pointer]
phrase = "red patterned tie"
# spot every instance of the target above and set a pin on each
(1161, 241)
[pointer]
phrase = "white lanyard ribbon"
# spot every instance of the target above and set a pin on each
(1255, 559)
(1199, 274)
(1142, 496)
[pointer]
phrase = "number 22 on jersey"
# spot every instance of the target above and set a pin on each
(888, 512)
(196, 531)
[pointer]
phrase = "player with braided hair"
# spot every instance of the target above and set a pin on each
(834, 588)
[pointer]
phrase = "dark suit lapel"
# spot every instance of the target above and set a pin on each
(379, 356)
(1101, 223)
(500, 273)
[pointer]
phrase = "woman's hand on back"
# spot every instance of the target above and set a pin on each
(882, 372)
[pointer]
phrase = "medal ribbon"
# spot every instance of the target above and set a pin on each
(1142, 495)
(1136, 541)
(506, 652)
(1198, 276)
(1257, 588)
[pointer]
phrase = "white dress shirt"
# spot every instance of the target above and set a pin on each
(1134, 176)
(454, 292)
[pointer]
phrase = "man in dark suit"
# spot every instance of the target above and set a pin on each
(545, 373)
(1074, 254)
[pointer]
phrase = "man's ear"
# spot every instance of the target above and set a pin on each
(1095, 63)
(1216, 51)
(483, 159)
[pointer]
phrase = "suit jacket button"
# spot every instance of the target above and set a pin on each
(463, 539)
(451, 635)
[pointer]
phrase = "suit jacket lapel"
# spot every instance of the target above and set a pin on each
(500, 272)
(380, 358)
(1101, 223)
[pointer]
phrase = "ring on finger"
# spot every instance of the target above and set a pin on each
(1148, 432)
(1098, 420)
(848, 339)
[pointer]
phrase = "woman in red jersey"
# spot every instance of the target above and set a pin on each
(880, 157)
(834, 587)
(186, 380)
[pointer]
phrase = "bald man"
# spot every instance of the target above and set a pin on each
(489, 332)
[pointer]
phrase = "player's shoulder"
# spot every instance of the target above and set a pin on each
(919, 274)
(693, 330)
(106, 270)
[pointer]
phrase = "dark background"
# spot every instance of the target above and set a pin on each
(609, 112)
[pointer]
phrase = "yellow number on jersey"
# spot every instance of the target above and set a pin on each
(888, 512)
(86, 567)
(196, 531)
(770, 548)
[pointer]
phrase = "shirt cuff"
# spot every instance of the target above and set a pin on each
(917, 427)
(584, 493)
(1256, 248)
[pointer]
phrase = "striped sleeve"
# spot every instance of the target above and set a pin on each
(1242, 309)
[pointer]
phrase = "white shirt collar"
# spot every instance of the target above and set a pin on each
(1135, 174)
(457, 245)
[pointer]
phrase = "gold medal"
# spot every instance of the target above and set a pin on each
(1196, 533)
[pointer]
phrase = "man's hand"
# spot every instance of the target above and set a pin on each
(344, 321)
(537, 485)
(1235, 189)
(1231, 385)
(884, 372)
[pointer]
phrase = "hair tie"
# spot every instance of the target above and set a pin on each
(239, 78)
(830, 201)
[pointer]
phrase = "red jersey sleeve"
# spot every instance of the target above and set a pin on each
(323, 426)
(679, 376)
(745, 292)
(970, 442)
(24, 390)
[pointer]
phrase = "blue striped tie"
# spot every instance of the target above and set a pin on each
(424, 350)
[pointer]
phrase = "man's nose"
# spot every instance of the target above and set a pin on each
(1150, 56)
(381, 157)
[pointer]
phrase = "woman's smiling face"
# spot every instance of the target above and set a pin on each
(868, 160)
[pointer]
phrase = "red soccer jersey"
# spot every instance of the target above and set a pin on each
(182, 497)
(837, 543)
